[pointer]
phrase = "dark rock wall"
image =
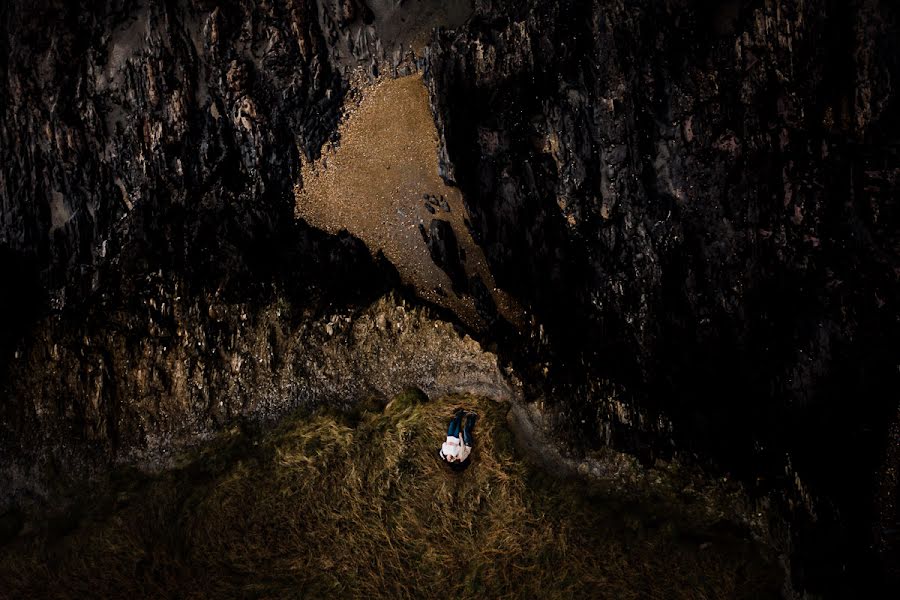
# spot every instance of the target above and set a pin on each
(148, 159)
(148, 156)
(707, 197)
(696, 202)
(120, 112)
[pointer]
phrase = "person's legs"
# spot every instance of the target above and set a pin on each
(467, 430)
(453, 429)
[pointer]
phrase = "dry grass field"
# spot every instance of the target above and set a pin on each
(353, 506)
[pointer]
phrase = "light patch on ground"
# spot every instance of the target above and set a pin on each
(411, 24)
(373, 182)
(123, 44)
(59, 211)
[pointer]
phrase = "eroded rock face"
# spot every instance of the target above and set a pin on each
(706, 194)
(697, 205)
(692, 203)
(138, 380)
(181, 120)
(149, 157)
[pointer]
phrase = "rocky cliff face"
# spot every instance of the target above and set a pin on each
(148, 155)
(694, 203)
(165, 286)
(707, 196)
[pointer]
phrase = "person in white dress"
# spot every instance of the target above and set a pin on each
(456, 450)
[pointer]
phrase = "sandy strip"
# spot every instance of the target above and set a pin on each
(373, 183)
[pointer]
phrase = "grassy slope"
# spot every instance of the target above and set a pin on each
(337, 506)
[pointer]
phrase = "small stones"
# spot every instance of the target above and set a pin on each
(433, 202)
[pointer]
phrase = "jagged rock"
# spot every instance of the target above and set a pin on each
(142, 397)
(445, 252)
(689, 184)
(694, 202)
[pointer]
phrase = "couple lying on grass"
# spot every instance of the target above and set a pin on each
(455, 451)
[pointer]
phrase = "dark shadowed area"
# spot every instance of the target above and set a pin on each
(664, 231)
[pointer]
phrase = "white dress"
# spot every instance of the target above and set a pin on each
(455, 448)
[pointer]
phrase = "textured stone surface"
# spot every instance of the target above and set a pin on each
(694, 204)
(132, 115)
(706, 197)
(138, 380)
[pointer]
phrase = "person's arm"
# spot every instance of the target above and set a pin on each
(464, 452)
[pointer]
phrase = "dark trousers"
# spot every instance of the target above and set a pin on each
(456, 423)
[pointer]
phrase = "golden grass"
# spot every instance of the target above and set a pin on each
(353, 506)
